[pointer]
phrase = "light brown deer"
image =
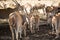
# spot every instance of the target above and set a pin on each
(17, 22)
(56, 25)
(34, 21)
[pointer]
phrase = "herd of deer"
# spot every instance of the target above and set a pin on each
(19, 19)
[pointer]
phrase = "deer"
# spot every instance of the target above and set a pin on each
(17, 22)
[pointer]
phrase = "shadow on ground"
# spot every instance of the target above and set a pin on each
(43, 34)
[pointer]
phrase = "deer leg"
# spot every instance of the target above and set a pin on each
(31, 28)
(21, 34)
(12, 32)
(16, 31)
(24, 29)
(56, 28)
(12, 35)
(20, 31)
(37, 25)
(53, 28)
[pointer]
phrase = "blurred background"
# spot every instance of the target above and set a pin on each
(7, 6)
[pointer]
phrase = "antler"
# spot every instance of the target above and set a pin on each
(16, 2)
(18, 6)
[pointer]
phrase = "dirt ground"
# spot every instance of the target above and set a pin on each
(43, 34)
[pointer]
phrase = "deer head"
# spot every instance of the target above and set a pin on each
(18, 6)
